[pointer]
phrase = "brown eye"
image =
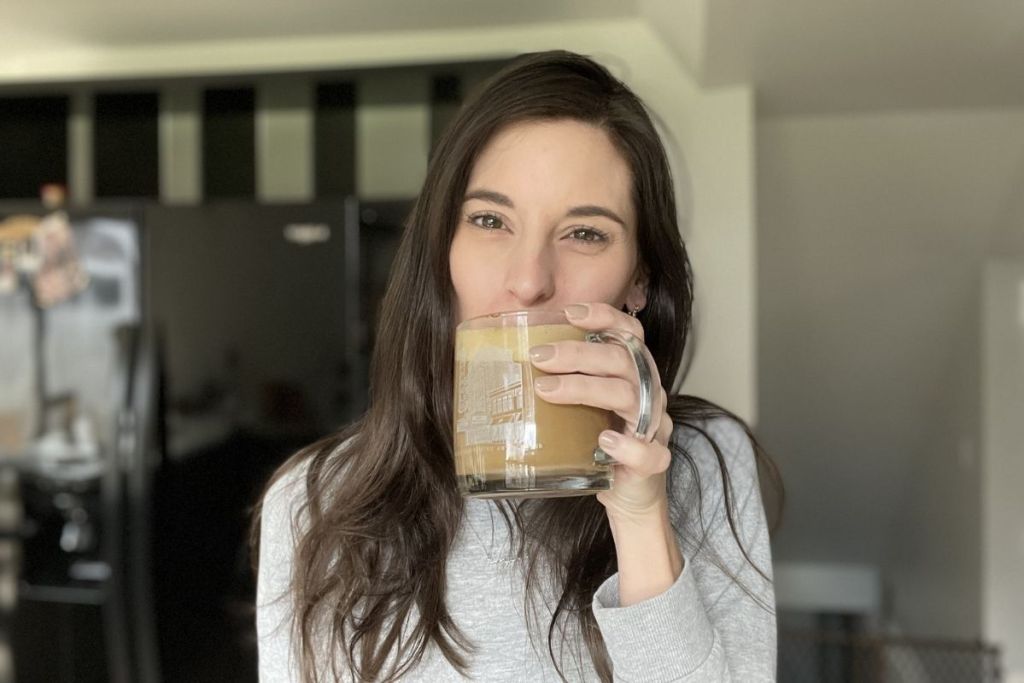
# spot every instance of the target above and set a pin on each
(487, 221)
(588, 235)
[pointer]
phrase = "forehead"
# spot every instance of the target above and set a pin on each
(557, 161)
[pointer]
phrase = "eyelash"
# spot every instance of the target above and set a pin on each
(581, 234)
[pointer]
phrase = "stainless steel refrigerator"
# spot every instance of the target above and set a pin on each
(143, 411)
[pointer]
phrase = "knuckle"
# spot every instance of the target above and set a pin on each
(627, 400)
(636, 328)
(624, 362)
(634, 391)
(590, 389)
(609, 315)
(574, 389)
(664, 458)
(577, 351)
(665, 429)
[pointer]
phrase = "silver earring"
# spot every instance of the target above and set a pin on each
(636, 309)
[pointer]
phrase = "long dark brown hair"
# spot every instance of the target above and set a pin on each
(381, 507)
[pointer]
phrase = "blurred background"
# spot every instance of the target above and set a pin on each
(198, 207)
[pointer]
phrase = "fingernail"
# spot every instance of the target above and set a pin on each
(609, 439)
(576, 311)
(546, 383)
(542, 352)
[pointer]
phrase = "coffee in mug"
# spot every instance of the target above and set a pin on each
(509, 442)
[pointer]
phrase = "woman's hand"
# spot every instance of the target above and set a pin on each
(604, 376)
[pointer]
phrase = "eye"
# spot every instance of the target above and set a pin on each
(588, 234)
(487, 221)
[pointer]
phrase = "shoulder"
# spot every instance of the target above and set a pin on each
(288, 490)
(713, 468)
(288, 484)
(715, 442)
(283, 501)
(288, 480)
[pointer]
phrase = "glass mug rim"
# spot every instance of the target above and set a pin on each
(487, 319)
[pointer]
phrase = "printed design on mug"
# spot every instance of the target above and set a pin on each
(493, 408)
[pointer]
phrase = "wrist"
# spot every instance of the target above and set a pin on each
(650, 516)
(648, 555)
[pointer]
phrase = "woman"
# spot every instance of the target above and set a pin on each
(551, 190)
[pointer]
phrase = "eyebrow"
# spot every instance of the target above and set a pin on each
(584, 211)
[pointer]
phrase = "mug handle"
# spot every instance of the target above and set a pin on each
(647, 373)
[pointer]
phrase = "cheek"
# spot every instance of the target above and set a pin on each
(466, 273)
(462, 279)
(609, 281)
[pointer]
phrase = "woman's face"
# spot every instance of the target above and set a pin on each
(547, 220)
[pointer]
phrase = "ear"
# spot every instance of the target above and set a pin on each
(636, 298)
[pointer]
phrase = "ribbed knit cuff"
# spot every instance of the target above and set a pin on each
(664, 638)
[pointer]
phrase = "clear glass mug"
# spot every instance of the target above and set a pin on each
(509, 442)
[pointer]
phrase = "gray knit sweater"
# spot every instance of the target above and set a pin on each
(716, 623)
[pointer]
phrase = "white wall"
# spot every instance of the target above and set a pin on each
(284, 139)
(822, 587)
(392, 134)
(872, 232)
(180, 140)
(1003, 430)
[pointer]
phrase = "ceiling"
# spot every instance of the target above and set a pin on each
(803, 56)
(122, 23)
(807, 56)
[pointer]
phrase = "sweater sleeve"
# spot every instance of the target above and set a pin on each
(717, 621)
(277, 663)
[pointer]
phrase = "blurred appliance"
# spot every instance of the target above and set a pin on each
(75, 415)
(265, 316)
(144, 413)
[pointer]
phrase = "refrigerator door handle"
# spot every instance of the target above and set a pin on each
(127, 439)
